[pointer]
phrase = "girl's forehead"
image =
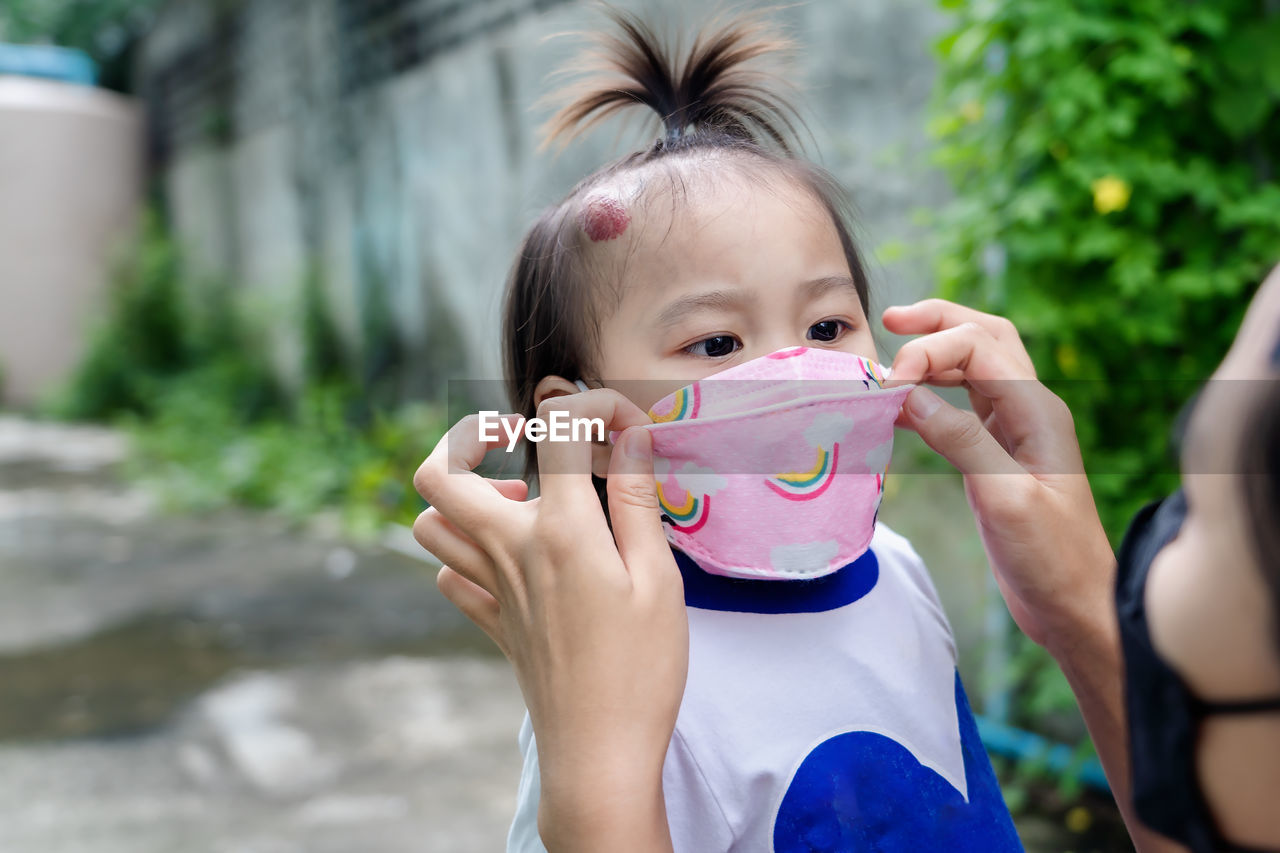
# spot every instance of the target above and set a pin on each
(659, 206)
(689, 183)
(651, 233)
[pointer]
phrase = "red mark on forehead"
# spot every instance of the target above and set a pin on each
(604, 218)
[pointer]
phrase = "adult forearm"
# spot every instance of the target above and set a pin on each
(590, 815)
(1091, 659)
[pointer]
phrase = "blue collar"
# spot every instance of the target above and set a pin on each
(716, 592)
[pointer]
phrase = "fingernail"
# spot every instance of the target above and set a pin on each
(637, 445)
(922, 403)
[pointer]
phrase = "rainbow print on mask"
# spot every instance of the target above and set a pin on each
(806, 485)
(874, 372)
(689, 516)
(824, 434)
(684, 405)
(698, 484)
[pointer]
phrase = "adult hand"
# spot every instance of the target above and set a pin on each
(1026, 485)
(1017, 449)
(593, 621)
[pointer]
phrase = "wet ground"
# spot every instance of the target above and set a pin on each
(227, 683)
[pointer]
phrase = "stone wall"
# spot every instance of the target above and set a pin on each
(391, 145)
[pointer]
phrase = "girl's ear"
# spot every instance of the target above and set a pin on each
(558, 386)
(552, 386)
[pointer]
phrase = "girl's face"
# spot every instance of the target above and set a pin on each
(733, 269)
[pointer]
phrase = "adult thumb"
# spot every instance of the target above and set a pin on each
(957, 435)
(633, 506)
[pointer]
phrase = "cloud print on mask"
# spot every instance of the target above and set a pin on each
(878, 456)
(828, 428)
(699, 480)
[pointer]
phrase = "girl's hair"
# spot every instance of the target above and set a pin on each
(715, 106)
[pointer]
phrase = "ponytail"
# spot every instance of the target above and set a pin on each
(718, 92)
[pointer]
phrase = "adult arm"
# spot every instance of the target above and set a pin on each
(1026, 485)
(593, 621)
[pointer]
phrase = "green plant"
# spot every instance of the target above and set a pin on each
(198, 453)
(324, 356)
(1115, 167)
(142, 337)
(156, 329)
(184, 368)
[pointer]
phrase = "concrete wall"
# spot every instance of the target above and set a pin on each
(393, 143)
(70, 179)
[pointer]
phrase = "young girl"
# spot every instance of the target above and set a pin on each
(822, 713)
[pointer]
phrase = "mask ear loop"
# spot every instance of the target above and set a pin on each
(582, 386)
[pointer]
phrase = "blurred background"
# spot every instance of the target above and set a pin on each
(245, 244)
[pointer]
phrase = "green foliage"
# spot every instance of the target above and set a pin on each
(140, 340)
(324, 355)
(155, 331)
(383, 358)
(1115, 168)
(1115, 165)
(185, 370)
(197, 453)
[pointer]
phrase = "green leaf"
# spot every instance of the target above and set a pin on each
(1245, 53)
(969, 45)
(1239, 110)
(1271, 60)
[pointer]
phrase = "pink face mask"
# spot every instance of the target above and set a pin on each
(775, 468)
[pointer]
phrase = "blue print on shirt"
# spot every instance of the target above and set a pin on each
(864, 791)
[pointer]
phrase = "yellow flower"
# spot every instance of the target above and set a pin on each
(1079, 820)
(1111, 194)
(1068, 359)
(971, 111)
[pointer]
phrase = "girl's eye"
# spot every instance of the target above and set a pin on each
(826, 331)
(715, 347)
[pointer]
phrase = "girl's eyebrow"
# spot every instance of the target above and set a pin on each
(721, 300)
(725, 300)
(820, 286)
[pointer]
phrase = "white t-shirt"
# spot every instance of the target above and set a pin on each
(819, 715)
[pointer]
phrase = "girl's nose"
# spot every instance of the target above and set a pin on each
(773, 343)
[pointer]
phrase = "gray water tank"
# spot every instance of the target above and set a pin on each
(71, 174)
